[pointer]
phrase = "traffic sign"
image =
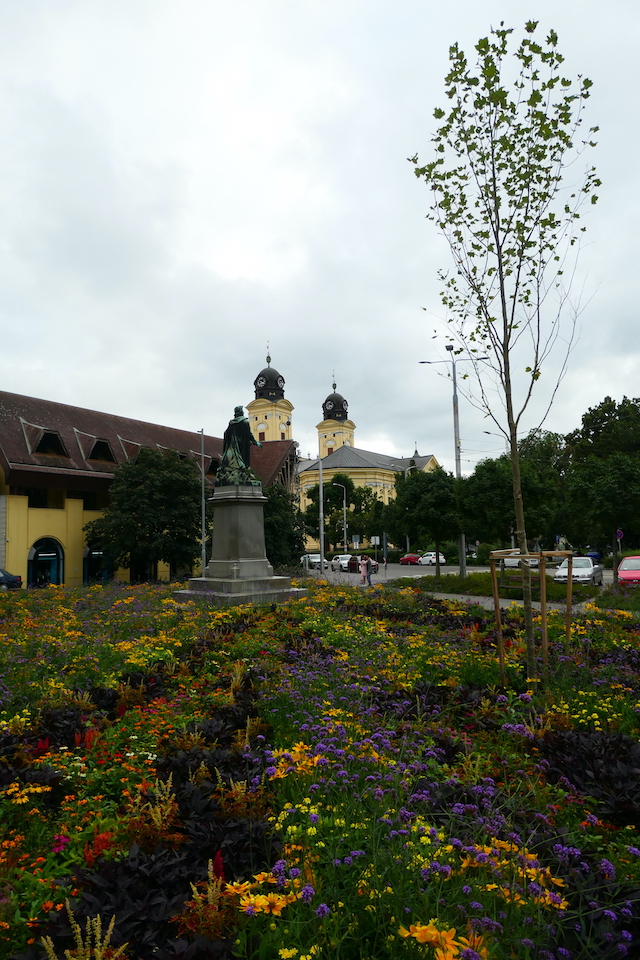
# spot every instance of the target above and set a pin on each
(619, 534)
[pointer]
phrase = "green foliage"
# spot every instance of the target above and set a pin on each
(154, 512)
(497, 196)
(486, 496)
(603, 494)
(425, 508)
(606, 429)
(283, 527)
(496, 184)
(364, 510)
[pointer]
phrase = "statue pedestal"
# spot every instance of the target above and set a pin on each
(239, 571)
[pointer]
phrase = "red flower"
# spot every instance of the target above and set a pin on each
(218, 866)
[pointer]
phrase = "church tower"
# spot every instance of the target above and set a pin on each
(270, 413)
(335, 430)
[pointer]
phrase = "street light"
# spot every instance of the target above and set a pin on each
(462, 545)
(344, 512)
(411, 466)
(203, 509)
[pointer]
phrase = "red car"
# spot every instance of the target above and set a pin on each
(629, 570)
(410, 558)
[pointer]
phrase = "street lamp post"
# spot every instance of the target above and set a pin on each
(462, 545)
(203, 508)
(344, 512)
(411, 466)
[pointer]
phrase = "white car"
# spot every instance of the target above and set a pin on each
(341, 562)
(431, 558)
(514, 561)
(311, 561)
(585, 570)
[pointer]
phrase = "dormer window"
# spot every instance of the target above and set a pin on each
(51, 445)
(102, 451)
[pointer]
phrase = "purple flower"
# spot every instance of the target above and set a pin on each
(323, 910)
(307, 893)
(608, 869)
(528, 943)
(470, 954)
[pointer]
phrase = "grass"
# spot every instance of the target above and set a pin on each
(411, 805)
(479, 584)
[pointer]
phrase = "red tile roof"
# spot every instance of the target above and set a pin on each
(27, 423)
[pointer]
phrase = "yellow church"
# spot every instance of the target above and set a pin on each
(270, 418)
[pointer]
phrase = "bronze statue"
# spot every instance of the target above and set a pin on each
(234, 467)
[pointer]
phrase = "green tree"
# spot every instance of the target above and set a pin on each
(432, 507)
(497, 196)
(154, 514)
(332, 500)
(606, 429)
(486, 496)
(604, 494)
(283, 527)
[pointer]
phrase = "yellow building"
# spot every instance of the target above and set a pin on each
(56, 465)
(336, 441)
(269, 413)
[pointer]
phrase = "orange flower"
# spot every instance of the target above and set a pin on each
(475, 941)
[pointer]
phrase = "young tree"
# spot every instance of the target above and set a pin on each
(154, 513)
(501, 155)
(283, 527)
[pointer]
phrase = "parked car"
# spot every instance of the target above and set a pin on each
(312, 561)
(354, 565)
(413, 558)
(341, 562)
(9, 581)
(514, 561)
(585, 570)
(629, 570)
(431, 558)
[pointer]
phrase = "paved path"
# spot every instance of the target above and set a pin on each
(395, 571)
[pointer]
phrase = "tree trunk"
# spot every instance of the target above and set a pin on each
(521, 534)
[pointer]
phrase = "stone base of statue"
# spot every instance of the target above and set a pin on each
(239, 571)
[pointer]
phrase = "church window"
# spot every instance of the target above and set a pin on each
(261, 436)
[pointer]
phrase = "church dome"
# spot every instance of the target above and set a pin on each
(335, 407)
(269, 384)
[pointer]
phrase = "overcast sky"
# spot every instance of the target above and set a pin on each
(183, 182)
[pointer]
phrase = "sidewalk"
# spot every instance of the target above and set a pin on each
(487, 602)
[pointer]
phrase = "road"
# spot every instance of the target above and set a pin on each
(395, 570)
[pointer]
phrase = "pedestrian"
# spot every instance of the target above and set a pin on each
(369, 565)
(363, 569)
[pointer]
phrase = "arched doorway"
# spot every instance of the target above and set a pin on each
(46, 563)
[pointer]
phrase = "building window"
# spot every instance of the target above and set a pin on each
(37, 497)
(282, 436)
(51, 445)
(329, 450)
(261, 436)
(41, 498)
(102, 451)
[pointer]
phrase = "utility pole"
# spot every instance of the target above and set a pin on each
(203, 528)
(344, 512)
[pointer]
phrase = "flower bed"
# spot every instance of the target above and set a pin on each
(340, 777)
